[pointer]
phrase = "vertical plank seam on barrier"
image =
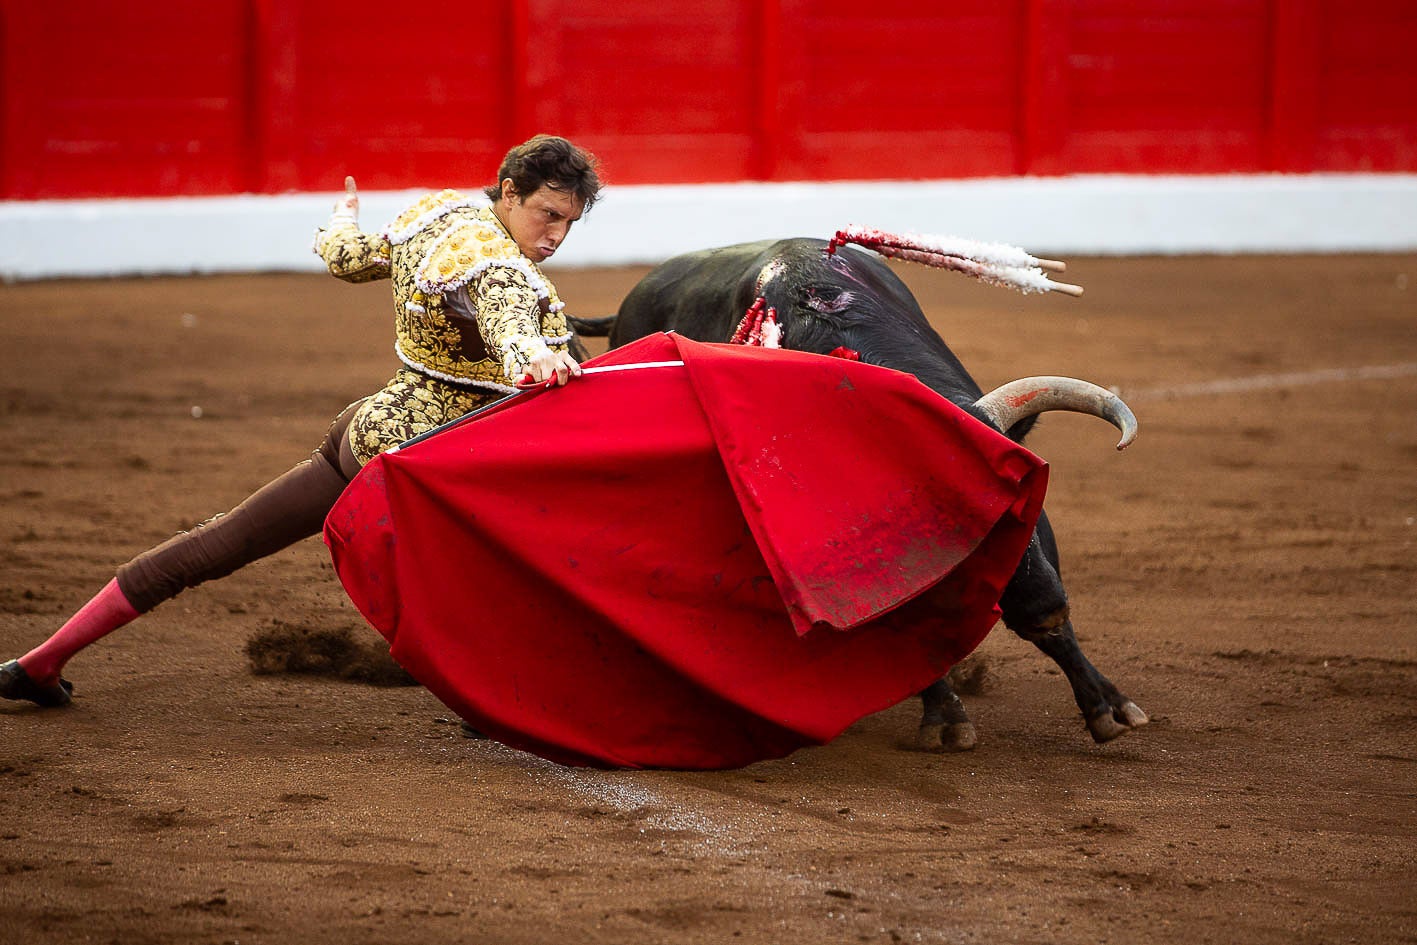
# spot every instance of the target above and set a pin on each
(272, 87)
(767, 85)
(1042, 100)
(8, 99)
(253, 161)
(1293, 85)
(789, 147)
(521, 108)
(15, 43)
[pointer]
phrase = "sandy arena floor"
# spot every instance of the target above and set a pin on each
(1245, 572)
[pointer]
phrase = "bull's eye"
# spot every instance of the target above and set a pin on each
(841, 301)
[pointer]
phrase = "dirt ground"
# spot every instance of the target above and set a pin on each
(1245, 572)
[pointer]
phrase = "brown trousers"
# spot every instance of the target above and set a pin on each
(280, 513)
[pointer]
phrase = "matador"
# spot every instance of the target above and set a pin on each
(473, 315)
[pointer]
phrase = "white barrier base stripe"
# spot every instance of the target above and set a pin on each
(1236, 385)
(1084, 215)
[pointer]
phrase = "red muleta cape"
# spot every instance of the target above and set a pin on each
(689, 567)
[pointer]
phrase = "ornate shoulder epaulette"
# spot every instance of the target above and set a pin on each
(467, 249)
(423, 212)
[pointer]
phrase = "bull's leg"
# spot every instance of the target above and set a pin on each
(1035, 606)
(944, 726)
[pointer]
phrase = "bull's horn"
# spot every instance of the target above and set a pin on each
(1021, 399)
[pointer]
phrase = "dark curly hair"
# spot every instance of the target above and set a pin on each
(547, 160)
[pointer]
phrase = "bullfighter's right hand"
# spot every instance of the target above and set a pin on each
(347, 206)
(547, 364)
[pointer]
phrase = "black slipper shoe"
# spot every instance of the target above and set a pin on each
(15, 683)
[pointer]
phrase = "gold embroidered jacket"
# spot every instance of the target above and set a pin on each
(469, 308)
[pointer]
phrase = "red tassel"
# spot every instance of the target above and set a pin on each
(750, 329)
(751, 319)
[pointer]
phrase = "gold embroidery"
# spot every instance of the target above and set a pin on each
(508, 315)
(351, 254)
(449, 244)
(428, 338)
(423, 213)
(410, 404)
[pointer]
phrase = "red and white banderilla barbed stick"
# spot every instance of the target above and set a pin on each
(993, 263)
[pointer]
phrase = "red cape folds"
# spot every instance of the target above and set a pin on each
(689, 567)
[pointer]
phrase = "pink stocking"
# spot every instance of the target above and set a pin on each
(106, 612)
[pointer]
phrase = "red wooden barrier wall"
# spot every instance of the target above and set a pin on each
(161, 97)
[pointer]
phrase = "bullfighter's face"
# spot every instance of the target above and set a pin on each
(538, 222)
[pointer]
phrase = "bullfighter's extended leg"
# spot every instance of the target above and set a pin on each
(1035, 606)
(279, 514)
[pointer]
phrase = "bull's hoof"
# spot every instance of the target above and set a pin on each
(1133, 715)
(16, 684)
(959, 736)
(1116, 722)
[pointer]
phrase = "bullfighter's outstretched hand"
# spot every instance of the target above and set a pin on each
(348, 203)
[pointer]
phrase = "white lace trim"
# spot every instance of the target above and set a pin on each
(409, 231)
(535, 281)
(414, 307)
(449, 378)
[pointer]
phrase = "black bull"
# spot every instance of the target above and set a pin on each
(854, 300)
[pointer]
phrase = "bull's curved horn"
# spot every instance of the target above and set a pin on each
(1020, 399)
